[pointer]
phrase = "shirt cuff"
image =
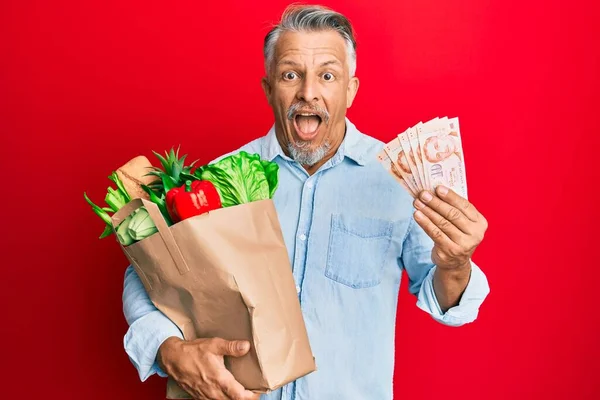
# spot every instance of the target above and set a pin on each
(467, 309)
(143, 339)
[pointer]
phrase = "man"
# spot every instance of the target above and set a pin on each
(350, 230)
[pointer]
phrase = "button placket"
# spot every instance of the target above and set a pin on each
(305, 220)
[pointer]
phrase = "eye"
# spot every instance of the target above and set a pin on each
(328, 76)
(289, 76)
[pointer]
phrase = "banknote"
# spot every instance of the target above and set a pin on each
(454, 131)
(416, 150)
(396, 154)
(443, 161)
(427, 155)
(410, 159)
(421, 129)
(389, 166)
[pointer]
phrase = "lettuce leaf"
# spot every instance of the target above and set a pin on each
(241, 178)
(271, 169)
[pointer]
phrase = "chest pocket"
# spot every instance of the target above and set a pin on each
(358, 248)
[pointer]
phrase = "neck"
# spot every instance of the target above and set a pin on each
(335, 140)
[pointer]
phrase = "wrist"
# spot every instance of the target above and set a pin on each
(165, 351)
(457, 273)
(449, 285)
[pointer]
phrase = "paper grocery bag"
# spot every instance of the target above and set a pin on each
(226, 274)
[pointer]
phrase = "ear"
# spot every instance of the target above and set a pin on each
(352, 89)
(267, 88)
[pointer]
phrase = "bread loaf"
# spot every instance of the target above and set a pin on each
(133, 174)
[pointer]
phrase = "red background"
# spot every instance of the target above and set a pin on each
(84, 86)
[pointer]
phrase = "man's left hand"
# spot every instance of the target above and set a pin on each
(454, 225)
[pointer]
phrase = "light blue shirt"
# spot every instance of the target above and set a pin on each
(349, 232)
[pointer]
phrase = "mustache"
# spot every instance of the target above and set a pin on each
(307, 107)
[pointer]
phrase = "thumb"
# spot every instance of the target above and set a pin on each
(236, 348)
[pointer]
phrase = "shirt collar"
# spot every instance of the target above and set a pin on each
(351, 146)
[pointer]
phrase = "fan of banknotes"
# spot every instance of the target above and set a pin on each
(427, 155)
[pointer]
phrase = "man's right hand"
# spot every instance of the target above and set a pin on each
(198, 367)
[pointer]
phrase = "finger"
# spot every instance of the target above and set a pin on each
(449, 212)
(235, 348)
(233, 389)
(462, 204)
(217, 395)
(435, 233)
(244, 395)
(454, 233)
(249, 395)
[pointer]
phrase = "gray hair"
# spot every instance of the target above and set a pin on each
(303, 18)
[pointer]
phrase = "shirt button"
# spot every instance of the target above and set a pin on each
(309, 185)
(298, 289)
(303, 237)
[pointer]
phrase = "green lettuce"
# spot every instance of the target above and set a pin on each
(241, 178)
(271, 170)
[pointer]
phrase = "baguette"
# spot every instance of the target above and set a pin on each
(132, 174)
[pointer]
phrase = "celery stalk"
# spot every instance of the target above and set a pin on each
(107, 231)
(160, 202)
(115, 178)
(115, 199)
(99, 211)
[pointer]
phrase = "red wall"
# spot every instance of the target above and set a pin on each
(84, 86)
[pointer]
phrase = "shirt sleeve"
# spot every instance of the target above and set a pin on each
(416, 258)
(148, 327)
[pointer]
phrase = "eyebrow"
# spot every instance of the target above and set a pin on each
(295, 64)
(288, 62)
(330, 62)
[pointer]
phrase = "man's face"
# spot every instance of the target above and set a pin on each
(309, 89)
(439, 148)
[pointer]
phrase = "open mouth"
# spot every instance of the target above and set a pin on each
(307, 124)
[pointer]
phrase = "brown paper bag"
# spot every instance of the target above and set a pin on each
(226, 274)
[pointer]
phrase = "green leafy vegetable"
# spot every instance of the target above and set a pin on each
(116, 199)
(173, 173)
(107, 231)
(115, 178)
(141, 225)
(135, 227)
(241, 178)
(271, 170)
(98, 210)
(123, 232)
(160, 202)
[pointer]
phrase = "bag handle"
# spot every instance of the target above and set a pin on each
(161, 225)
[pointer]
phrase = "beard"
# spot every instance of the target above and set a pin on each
(304, 155)
(301, 151)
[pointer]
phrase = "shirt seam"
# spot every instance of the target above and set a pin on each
(408, 230)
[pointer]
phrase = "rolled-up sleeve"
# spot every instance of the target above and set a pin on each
(466, 310)
(148, 327)
(416, 259)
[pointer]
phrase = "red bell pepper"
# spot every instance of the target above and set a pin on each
(193, 198)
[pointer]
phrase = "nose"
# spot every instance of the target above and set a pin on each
(309, 90)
